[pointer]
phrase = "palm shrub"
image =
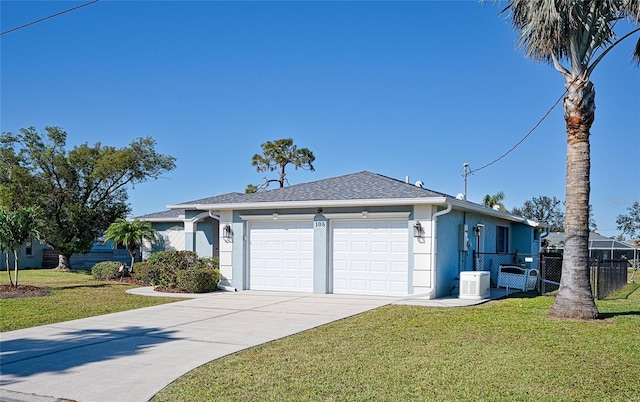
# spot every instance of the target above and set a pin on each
(130, 234)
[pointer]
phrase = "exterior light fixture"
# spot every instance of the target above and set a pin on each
(365, 214)
(227, 233)
(275, 216)
(417, 229)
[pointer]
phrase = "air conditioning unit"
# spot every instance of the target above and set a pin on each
(475, 285)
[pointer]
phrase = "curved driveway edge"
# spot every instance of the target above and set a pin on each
(131, 355)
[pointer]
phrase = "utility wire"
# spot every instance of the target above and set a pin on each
(46, 18)
(523, 138)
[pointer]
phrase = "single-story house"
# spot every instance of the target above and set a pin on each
(600, 247)
(37, 255)
(361, 233)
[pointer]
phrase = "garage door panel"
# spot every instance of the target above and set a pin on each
(370, 257)
(281, 256)
(379, 266)
(379, 286)
(398, 267)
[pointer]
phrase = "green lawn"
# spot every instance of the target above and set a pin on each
(75, 295)
(501, 350)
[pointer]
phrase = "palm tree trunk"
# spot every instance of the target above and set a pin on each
(132, 252)
(575, 299)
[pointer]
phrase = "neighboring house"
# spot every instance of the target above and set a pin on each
(38, 255)
(30, 256)
(600, 247)
(361, 233)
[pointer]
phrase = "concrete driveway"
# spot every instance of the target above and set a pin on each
(130, 356)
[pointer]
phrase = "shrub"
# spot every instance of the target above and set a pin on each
(198, 280)
(147, 273)
(181, 270)
(212, 262)
(176, 259)
(106, 270)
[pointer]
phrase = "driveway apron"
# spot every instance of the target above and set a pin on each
(131, 355)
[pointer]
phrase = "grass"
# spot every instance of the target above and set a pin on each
(75, 295)
(502, 350)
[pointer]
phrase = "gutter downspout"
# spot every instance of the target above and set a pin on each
(434, 227)
(222, 287)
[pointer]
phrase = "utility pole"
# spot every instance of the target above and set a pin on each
(465, 172)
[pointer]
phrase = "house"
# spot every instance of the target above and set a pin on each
(600, 247)
(37, 255)
(361, 233)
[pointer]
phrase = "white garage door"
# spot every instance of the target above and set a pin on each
(370, 257)
(281, 256)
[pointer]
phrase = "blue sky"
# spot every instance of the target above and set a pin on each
(398, 88)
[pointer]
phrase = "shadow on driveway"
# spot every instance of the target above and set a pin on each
(24, 357)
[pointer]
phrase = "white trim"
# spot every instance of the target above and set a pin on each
(280, 217)
(315, 203)
(369, 215)
(444, 201)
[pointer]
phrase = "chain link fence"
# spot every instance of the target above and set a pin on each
(606, 276)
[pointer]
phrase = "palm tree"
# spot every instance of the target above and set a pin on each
(130, 234)
(493, 201)
(578, 33)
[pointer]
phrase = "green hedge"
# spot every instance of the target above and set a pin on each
(147, 273)
(106, 270)
(181, 270)
(198, 280)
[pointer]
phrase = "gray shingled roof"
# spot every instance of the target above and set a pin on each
(355, 186)
(168, 214)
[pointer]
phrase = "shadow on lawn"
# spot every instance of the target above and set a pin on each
(96, 286)
(59, 352)
(604, 316)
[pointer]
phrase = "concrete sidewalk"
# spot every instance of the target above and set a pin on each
(131, 355)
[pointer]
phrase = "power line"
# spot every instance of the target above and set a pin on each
(523, 138)
(50, 16)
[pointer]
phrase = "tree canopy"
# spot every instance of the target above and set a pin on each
(494, 201)
(629, 223)
(80, 191)
(276, 155)
(543, 209)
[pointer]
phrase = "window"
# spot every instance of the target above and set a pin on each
(29, 248)
(502, 239)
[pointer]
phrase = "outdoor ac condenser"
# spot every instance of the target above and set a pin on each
(475, 285)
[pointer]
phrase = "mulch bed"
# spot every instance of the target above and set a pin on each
(14, 292)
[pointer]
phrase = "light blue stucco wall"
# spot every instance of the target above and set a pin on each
(204, 238)
(450, 260)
